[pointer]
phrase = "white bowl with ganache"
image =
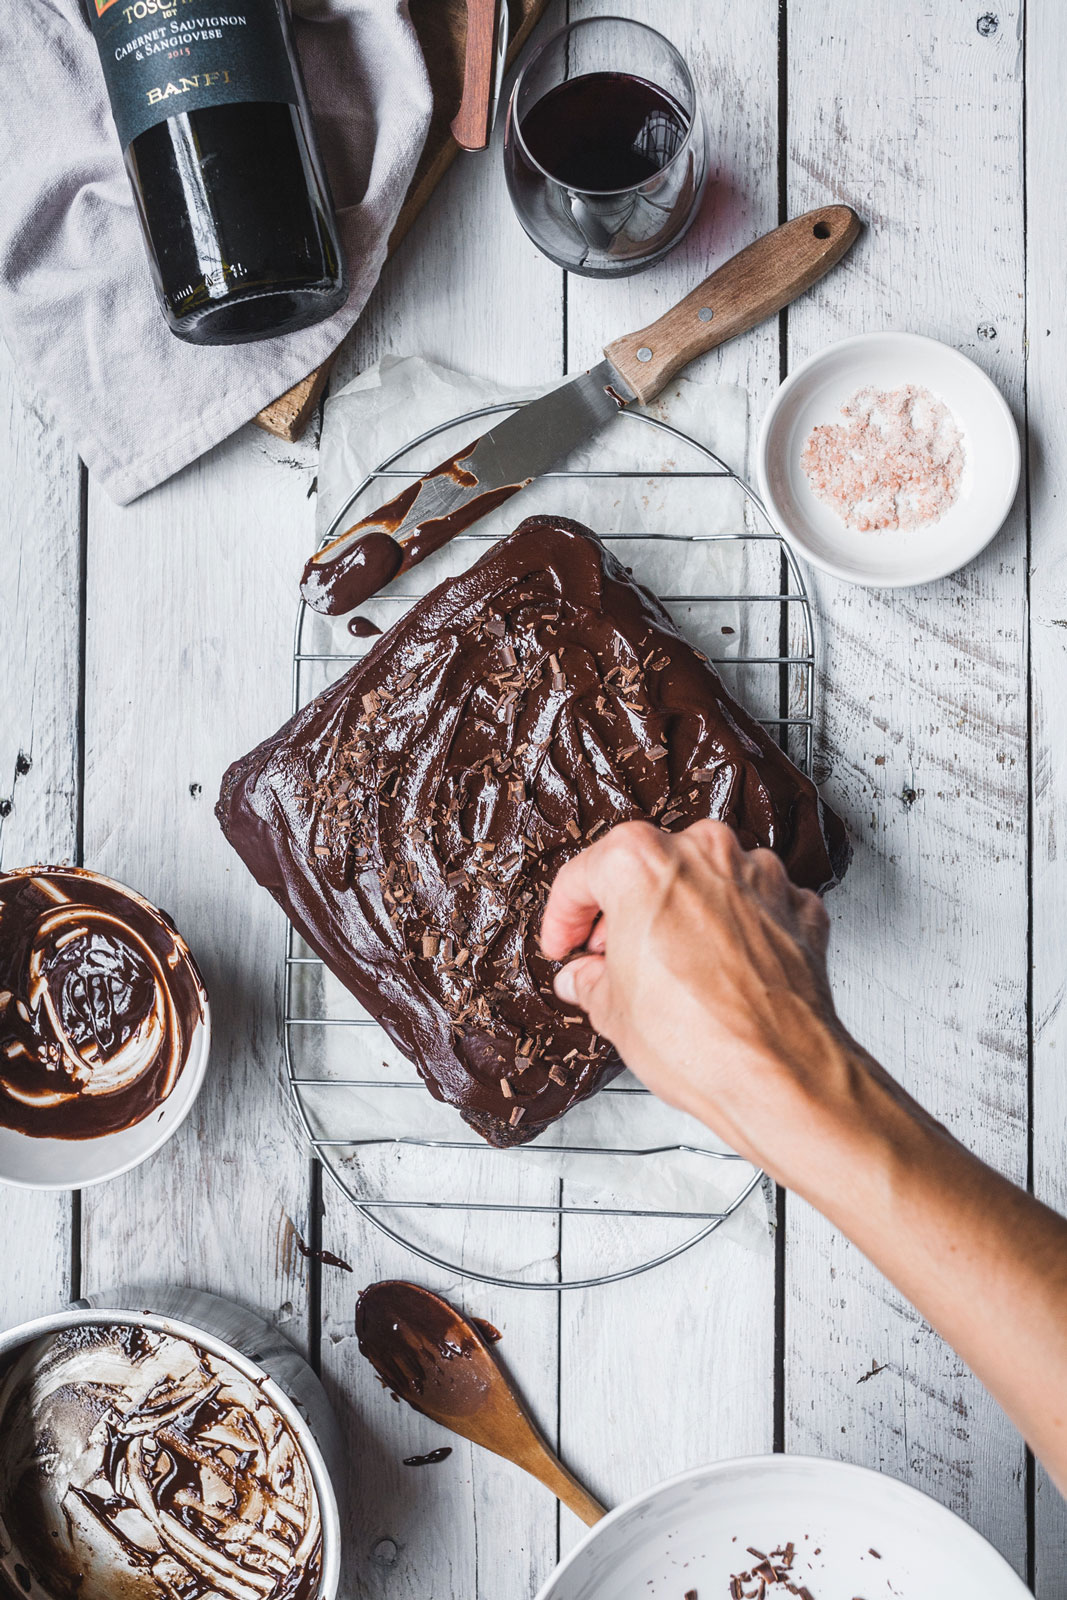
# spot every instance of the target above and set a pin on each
(888, 459)
(144, 1456)
(104, 1028)
(779, 1526)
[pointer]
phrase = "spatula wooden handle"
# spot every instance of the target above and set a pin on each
(747, 289)
(470, 125)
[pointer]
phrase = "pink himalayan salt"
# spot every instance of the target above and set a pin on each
(895, 463)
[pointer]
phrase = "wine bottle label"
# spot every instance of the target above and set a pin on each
(164, 57)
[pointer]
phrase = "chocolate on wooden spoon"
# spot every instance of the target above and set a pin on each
(430, 1355)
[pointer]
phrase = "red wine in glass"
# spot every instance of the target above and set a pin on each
(604, 131)
(606, 166)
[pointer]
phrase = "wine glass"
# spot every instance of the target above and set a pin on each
(604, 149)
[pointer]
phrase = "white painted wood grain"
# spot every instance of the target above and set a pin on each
(676, 1366)
(911, 114)
(189, 626)
(466, 289)
(39, 641)
(1046, 70)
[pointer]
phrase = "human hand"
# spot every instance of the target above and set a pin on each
(706, 968)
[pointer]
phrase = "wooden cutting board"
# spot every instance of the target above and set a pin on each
(442, 29)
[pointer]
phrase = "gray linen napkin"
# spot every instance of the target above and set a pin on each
(77, 308)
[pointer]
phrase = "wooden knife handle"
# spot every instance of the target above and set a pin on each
(470, 125)
(747, 289)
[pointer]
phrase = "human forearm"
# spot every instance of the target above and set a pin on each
(707, 970)
(984, 1262)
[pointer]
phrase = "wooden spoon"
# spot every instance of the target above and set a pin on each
(438, 1361)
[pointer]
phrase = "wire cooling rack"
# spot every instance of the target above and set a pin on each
(455, 1202)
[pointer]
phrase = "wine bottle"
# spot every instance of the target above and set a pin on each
(220, 150)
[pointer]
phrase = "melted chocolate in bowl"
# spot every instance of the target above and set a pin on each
(99, 1002)
(421, 1349)
(134, 1465)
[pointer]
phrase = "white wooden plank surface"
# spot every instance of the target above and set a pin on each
(40, 562)
(1046, 69)
(656, 1374)
(914, 116)
(188, 642)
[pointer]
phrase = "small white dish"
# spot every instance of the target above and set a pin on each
(695, 1532)
(27, 1162)
(897, 558)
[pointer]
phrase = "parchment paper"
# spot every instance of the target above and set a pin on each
(364, 423)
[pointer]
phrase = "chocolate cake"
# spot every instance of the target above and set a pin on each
(411, 819)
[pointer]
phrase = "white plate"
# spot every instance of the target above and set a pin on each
(815, 392)
(693, 1533)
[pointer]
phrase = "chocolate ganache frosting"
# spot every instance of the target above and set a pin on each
(99, 1000)
(411, 819)
(135, 1465)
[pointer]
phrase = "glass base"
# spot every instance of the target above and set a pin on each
(625, 268)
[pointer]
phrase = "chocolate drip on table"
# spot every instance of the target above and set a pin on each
(326, 1257)
(412, 818)
(99, 1001)
(442, 1453)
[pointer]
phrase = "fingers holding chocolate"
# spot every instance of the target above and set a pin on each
(703, 965)
(626, 861)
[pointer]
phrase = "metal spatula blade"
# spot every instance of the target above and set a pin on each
(750, 287)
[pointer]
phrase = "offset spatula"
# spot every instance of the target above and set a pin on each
(750, 287)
